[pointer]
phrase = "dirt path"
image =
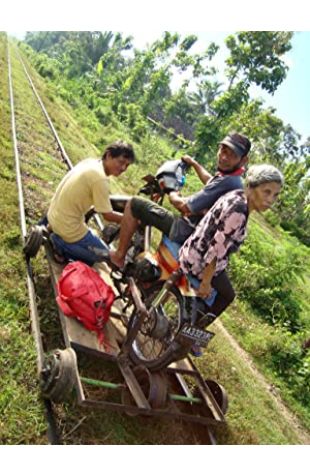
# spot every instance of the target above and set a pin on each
(301, 433)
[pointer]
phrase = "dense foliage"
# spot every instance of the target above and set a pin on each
(265, 273)
(116, 81)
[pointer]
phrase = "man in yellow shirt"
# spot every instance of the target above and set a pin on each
(86, 186)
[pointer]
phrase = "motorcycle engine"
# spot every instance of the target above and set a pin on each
(147, 271)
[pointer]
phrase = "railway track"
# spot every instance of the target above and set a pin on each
(23, 164)
(44, 157)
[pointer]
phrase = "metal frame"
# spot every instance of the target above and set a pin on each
(174, 375)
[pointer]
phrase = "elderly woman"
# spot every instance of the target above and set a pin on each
(204, 255)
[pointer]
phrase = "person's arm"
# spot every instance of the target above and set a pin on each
(113, 216)
(227, 239)
(205, 288)
(179, 203)
(102, 203)
(202, 173)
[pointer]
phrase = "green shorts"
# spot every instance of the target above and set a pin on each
(150, 213)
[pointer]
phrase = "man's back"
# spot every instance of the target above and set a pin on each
(84, 186)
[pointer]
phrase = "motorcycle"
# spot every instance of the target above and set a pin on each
(161, 301)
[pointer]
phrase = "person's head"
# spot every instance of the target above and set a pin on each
(117, 157)
(264, 183)
(233, 152)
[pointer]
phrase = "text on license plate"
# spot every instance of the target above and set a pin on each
(197, 334)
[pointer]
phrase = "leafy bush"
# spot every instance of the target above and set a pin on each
(292, 364)
(134, 120)
(272, 218)
(47, 67)
(264, 273)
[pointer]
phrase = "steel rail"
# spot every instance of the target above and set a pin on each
(34, 314)
(50, 123)
(33, 307)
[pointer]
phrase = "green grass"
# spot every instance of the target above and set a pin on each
(263, 342)
(21, 411)
(251, 408)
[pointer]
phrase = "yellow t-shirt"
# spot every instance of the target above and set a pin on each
(84, 186)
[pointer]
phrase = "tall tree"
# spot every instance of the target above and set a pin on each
(256, 56)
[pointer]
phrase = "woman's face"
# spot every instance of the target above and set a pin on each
(263, 196)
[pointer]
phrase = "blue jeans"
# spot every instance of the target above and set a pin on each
(89, 249)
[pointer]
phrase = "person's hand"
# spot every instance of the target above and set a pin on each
(156, 197)
(173, 195)
(204, 290)
(188, 159)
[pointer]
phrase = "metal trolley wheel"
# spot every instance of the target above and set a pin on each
(219, 394)
(154, 387)
(33, 241)
(58, 375)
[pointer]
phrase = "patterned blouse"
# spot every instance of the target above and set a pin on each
(221, 232)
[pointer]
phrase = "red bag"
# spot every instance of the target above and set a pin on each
(83, 294)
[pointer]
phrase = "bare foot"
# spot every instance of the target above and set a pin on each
(116, 259)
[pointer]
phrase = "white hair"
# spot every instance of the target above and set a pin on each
(259, 174)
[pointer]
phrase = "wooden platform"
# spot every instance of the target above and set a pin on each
(75, 334)
(79, 338)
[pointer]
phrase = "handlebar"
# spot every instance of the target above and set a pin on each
(170, 176)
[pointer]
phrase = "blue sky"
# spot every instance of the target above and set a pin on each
(211, 21)
(292, 99)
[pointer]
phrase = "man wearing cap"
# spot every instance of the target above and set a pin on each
(232, 156)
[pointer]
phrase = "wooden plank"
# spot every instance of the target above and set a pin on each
(133, 386)
(184, 365)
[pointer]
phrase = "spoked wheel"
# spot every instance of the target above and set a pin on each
(155, 346)
(58, 375)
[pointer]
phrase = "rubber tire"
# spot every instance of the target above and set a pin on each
(60, 384)
(174, 351)
(33, 242)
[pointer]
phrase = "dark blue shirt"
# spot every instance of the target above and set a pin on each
(200, 202)
(215, 188)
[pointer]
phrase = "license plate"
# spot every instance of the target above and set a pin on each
(199, 336)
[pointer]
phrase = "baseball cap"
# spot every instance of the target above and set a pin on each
(240, 144)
